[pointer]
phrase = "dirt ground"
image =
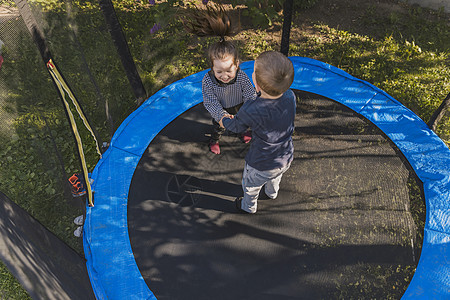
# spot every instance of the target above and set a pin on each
(363, 17)
(348, 14)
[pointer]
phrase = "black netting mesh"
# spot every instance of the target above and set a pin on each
(37, 150)
(35, 139)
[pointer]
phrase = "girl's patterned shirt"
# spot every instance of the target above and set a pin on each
(218, 95)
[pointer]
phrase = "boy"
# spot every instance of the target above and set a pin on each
(271, 117)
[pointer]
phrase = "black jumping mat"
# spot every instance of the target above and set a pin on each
(341, 226)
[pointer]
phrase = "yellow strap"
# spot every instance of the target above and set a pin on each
(61, 81)
(60, 86)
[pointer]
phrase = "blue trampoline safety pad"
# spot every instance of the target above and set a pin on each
(112, 269)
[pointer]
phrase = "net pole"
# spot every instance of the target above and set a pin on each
(123, 50)
(439, 113)
(286, 31)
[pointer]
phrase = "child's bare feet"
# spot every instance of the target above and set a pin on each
(246, 137)
(214, 147)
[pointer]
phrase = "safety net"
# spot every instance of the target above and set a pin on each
(342, 237)
(38, 152)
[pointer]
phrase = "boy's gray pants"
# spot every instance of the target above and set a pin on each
(252, 182)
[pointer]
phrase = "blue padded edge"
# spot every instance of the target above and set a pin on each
(112, 269)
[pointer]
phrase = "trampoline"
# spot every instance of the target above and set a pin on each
(164, 224)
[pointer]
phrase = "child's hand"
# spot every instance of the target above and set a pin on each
(225, 116)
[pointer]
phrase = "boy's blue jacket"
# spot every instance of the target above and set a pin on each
(272, 125)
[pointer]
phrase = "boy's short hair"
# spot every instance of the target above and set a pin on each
(274, 72)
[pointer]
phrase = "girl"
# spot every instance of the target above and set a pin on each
(225, 87)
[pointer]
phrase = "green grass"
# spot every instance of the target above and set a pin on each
(10, 288)
(404, 53)
(417, 78)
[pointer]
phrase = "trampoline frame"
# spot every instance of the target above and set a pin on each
(112, 268)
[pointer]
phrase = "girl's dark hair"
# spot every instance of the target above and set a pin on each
(212, 21)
